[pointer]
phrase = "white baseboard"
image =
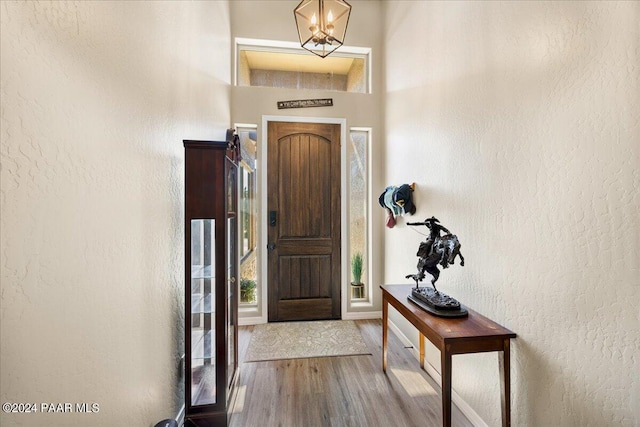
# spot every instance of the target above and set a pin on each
(362, 315)
(402, 337)
(246, 321)
(464, 407)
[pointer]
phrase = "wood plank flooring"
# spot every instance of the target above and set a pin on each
(339, 391)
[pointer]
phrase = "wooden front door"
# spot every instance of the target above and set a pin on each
(303, 221)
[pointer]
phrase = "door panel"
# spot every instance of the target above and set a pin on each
(303, 183)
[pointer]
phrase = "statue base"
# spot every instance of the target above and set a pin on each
(437, 303)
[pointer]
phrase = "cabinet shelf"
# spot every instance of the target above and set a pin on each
(202, 304)
(203, 345)
(202, 272)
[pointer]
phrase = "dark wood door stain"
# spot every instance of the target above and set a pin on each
(303, 181)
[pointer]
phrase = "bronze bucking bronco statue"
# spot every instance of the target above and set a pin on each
(435, 250)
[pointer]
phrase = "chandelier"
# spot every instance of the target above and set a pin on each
(322, 24)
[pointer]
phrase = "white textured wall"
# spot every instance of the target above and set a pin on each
(520, 123)
(96, 99)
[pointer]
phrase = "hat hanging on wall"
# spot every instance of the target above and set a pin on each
(397, 200)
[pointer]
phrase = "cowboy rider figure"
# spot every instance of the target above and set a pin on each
(434, 228)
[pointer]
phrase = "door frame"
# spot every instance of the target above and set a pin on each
(263, 163)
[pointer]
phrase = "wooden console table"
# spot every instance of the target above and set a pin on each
(472, 334)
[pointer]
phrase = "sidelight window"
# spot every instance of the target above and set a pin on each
(247, 180)
(358, 164)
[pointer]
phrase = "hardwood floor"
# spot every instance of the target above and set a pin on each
(339, 391)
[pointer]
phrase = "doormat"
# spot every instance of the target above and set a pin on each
(295, 340)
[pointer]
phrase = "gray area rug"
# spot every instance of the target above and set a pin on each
(294, 340)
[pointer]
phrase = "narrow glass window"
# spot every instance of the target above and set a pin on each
(249, 256)
(358, 158)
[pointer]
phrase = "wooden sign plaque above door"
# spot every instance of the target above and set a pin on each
(304, 103)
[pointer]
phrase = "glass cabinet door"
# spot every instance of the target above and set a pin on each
(232, 269)
(203, 343)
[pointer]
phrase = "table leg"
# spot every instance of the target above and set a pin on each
(421, 350)
(445, 367)
(504, 361)
(385, 315)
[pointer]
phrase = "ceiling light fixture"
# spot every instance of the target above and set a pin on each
(322, 24)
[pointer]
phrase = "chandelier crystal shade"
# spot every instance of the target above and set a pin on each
(322, 24)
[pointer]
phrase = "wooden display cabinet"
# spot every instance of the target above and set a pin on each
(211, 282)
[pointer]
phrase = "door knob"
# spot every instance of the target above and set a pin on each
(271, 246)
